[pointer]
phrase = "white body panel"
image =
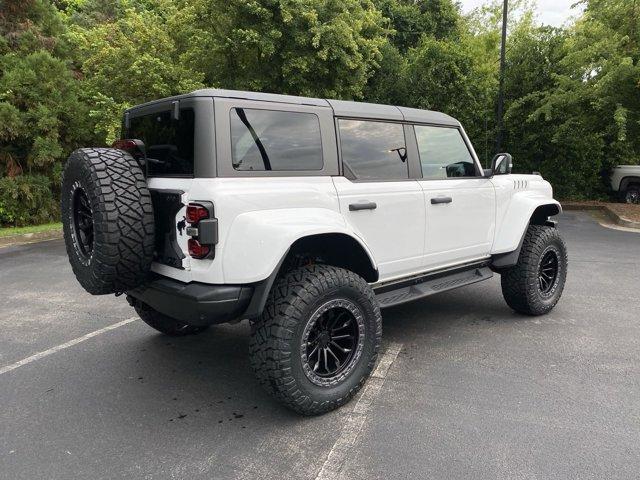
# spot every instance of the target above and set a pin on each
(394, 230)
(621, 172)
(260, 218)
(463, 229)
(517, 196)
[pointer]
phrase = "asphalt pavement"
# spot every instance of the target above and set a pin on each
(476, 391)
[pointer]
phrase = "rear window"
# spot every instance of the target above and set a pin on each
(275, 140)
(168, 142)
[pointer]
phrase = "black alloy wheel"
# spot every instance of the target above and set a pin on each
(82, 223)
(330, 340)
(548, 272)
(534, 285)
(317, 339)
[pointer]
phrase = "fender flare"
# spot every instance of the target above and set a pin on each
(279, 223)
(538, 213)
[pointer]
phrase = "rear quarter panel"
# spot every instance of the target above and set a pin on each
(258, 220)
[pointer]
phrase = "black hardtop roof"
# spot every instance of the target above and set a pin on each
(341, 108)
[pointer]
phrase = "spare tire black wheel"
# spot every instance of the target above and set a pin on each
(107, 218)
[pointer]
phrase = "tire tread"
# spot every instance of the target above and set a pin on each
(272, 332)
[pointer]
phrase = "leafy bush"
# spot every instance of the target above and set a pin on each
(26, 200)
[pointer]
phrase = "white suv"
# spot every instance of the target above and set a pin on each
(305, 216)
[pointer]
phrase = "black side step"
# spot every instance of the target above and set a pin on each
(433, 285)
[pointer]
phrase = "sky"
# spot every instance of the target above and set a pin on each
(550, 12)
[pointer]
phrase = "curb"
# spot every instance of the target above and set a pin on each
(613, 216)
(25, 238)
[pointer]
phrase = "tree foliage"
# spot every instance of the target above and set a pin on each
(68, 68)
(303, 47)
(573, 99)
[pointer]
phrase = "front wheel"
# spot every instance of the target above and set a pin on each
(535, 284)
(317, 340)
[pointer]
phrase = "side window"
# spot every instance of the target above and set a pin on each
(443, 153)
(168, 142)
(275, 140)
(373, 150)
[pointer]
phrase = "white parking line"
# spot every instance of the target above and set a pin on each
(68, 344)
(355, 419)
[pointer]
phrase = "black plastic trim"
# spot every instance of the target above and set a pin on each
(195, 303)
(208, 231)
(509, 259)
(431, 275)
(261, 291)
(354, 207)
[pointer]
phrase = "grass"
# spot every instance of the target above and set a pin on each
(47, 227)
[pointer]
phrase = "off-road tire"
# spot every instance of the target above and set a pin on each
(114, 187)
(277, 337)
(163, 323)
(632, 194)
(520, 283)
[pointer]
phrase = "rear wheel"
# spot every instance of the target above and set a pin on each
(535, 284)
(163, 323)
(318, 338)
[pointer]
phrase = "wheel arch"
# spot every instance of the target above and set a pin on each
(332, 248)
(337, 249)
(628, 180)
(541, 214)
(511, 235)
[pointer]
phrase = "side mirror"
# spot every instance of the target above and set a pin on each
(502, 164)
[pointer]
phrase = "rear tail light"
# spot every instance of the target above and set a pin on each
(195, 213)
(196, 250)
(203, 229)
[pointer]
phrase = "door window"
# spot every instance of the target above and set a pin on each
(443, 153)
(275, 140)
(373, 150)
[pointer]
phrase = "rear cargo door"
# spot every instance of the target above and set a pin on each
(168, 131)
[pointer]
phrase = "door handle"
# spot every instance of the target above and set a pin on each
(354, 207)
(437, 200)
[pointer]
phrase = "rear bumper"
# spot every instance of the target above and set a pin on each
(195, 303)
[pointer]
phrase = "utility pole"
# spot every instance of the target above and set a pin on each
(501, 86)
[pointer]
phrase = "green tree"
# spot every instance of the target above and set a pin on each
(573, 99)
(326, 48)
(443, 75)
(129, 60)
(42, 116)
(413, 19)
(388, 84)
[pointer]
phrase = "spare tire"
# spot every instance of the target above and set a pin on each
(107, 218)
